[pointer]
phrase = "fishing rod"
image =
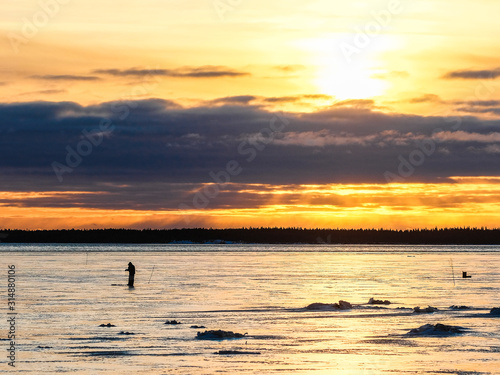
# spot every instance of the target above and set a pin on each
(151, 274)
(452, 271)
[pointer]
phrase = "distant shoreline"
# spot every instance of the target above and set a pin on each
(443, 236)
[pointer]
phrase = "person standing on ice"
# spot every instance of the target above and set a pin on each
(131, 274)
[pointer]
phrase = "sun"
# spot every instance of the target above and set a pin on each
(347, 77)
(349, 80)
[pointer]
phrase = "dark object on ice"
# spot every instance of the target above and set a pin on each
(219, 335)
(372, 301)
(427, 310)
(131, 274)
(436, 330)
(495, 311)
(455, 307)
(199, 327)
(233, 352)
(342, 305)
(126, 333)
(107, 325)
(465, 276)
(173, 322)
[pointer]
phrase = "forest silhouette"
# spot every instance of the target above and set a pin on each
(444, 236)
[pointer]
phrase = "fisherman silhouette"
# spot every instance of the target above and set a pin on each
(131, 274)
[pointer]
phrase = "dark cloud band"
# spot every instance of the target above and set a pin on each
(157, 141)
(186, 72)
(473, 74)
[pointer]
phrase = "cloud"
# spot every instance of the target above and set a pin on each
(473, 74)
(156, 145)
(133, 72)
(317, 96)
(283, 99)
(482, 110)
(297, 98)
(66, 77)
(325, 138)
(461, 136)
(481, 103)
(241, 99)
(479, 106)
(492, 149)
(207, 71)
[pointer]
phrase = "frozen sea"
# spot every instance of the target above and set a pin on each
(65, 292)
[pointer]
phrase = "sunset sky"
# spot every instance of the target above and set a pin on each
(237, 113)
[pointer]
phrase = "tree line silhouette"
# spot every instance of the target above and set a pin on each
(444, 236)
